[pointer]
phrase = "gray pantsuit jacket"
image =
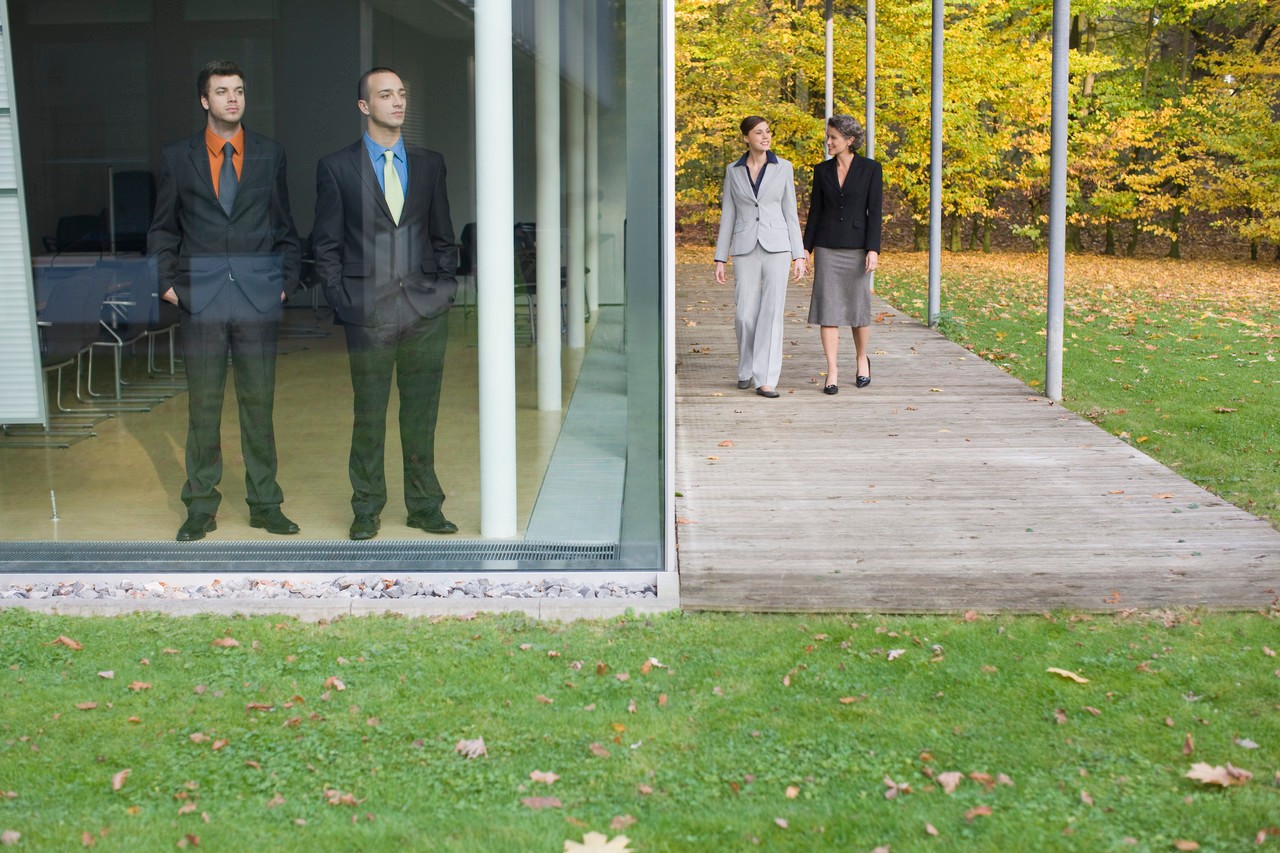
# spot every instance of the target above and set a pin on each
(769, 218)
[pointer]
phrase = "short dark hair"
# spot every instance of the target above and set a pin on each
(750, 122)
(362, 88)
(216, 68)
(848, 127)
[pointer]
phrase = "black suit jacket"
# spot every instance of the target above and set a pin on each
(360, 250)
(199, 249)
(848, 217)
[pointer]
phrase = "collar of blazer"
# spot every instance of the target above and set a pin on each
(360, 154)
(743, 174)
(249, 164)
(856, 168)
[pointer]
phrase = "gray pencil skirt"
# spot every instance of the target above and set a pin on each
(841, 288)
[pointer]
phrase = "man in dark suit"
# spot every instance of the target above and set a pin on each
(227, 254)
(386, 257)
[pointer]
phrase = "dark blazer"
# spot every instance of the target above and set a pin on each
(199, 249)
(847, 217)
(360, 250)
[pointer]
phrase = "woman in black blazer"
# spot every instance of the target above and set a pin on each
(843, 232)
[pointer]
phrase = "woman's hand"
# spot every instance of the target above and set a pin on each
(873, 261)
(800, 267)
(719, 272)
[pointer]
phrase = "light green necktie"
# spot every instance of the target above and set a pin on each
(391, 186)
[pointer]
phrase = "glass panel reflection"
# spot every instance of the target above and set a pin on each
(92, 174)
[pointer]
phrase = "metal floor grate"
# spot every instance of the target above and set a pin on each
(307, 555)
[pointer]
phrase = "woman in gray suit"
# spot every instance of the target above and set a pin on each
(760, 229)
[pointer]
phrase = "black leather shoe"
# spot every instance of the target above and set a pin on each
(864, 381)
(273, 520)
(196, 526)
(365, 527)
(744, 384)
(432, 521)
(769, 394)
(830, 389)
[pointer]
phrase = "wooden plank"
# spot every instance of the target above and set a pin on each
(947, 484)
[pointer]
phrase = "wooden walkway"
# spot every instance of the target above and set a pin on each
(946, 485)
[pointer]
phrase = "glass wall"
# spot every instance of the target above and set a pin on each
(105, 95)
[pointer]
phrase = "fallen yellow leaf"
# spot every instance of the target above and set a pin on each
(1066, 673)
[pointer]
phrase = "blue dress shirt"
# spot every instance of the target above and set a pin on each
(379, 160)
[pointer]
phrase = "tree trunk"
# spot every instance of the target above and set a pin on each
(1089, 44)
(920, 234)
(1132, 249)
(1146, 51)
(956, 243)
(1110, 246)
(1187, 51)
(974, 231)
(1175, 250)
(1073, 238)
(986, 235)
(1253, 249)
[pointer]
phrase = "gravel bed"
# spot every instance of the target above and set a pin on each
(348, 586)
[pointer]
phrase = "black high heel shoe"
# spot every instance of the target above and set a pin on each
(864, 381)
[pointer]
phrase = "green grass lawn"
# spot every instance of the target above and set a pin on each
(683, 732)
(1178, 358)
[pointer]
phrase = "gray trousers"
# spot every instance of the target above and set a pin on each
(760, 296)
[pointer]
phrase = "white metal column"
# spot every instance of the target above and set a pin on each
(1057, 203)
(591, 25)
(829, 63)
(495, 217)
(575, 184)
(22, 397)
(871, 79)
(547, 129)
(935, 170)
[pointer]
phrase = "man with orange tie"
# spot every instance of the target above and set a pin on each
(227, 254)
(386, 258)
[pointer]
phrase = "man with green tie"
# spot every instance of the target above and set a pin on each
(386, 258)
